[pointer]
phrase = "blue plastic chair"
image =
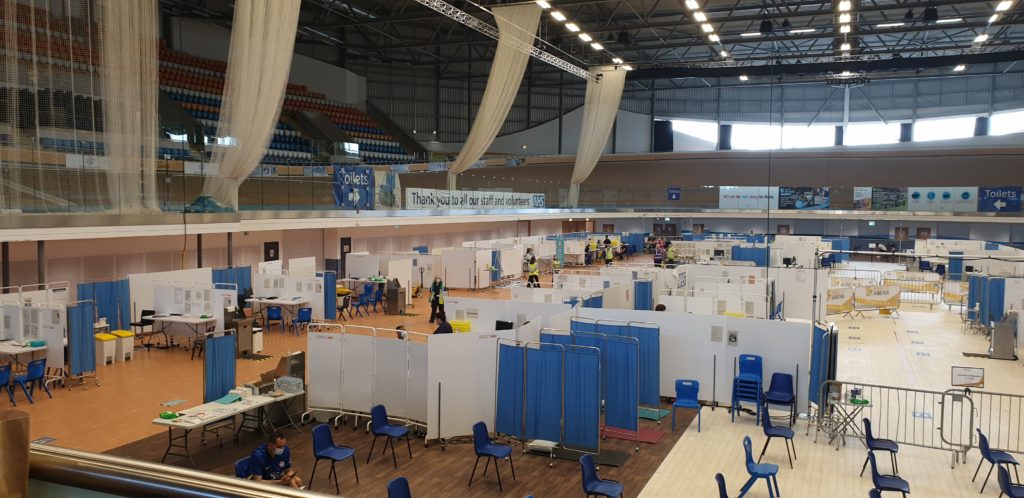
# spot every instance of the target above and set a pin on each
(325, 449)
(483, 447)
(1008, 488)
(781, 393)
(746, 386)
(886, 482)
(874, 493)
(303, 318)
(381, 427)
(36, 374)
(995, 457)
(5, 382)
(595, 486)
(751, 367)
(722, 492)
(770, 431)
(273, 315)
(399, 488)
(686, 397)
(378, 298)
(880, 445)
(767, 471)
(242, 468)
(363, 303)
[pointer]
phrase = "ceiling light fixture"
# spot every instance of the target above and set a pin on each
(713, 37)
(571, 26)
(845, 47)
(585, 37)
(930, 14)
(982, 38)
(889, 25)
(844, 5)
(616, 60)
(845, 74)
(692, 4)
(844, 18)
(596, 46)
(700, 16)
(766, 27)
(959, 67)
(994, 18)
(724, 54)
(627, 68)
(801, 30)
(950, 20)
(1004, 5)
(707, 27)
(558, 15)
(750, 34)
(845, 28)
(909, 16)
(543, 4)
(743, 77)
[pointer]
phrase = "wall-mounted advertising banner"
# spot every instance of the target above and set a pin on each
(955, 199)
(389, 190)
(862, 198)
(356, 186)
(748, 197)
(803, 198)
(880, 198)
(426, 198)
(999, 199)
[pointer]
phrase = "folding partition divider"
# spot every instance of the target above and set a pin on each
(643, 295)
(111, 299)
(220, 366)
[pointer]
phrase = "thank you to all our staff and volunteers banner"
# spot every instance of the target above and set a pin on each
(425, 198)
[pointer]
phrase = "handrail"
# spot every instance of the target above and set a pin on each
(126, 477)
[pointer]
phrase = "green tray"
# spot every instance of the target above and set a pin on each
(860, 401)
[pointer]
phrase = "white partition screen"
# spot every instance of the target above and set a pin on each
(390, 382)
(357, 362)
(324, 357)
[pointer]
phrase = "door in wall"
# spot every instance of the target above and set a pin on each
(577, 226)
(901, 233)
(782, 230)
(698, 228)
(345, 246)
(523, 228)
(271, 251)
(608, 228)
(924, 233)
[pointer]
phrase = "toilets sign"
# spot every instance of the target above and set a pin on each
(423, 198)
(999, 199)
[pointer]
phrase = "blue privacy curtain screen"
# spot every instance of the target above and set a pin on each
(112, 299)
(219, 368)
(81, 343)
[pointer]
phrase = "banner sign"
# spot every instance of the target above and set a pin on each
(877, 297)
(356, 185)
(840, 300)
(748, 197)
(803, 198)
(674, 193)
(426, 198)
(999, 199)
(862, 198)
(956, 199)
(967, 377)
(954, 292)
(889, 199)
(389, 190)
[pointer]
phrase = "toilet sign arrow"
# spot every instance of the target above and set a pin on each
(999, 205)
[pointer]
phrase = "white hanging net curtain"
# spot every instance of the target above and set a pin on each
(517, 25)
(259, 61)
(129, 44)
(600, 108)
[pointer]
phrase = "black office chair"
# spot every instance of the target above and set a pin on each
(139, 328)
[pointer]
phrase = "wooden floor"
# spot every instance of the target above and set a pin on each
(432, 471)
(872, 350)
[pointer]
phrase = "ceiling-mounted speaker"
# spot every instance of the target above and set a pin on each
(766, 27)
(786, 24)
(623, 37)
(930, 15)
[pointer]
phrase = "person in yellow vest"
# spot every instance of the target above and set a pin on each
(609, 254)
(670, 255)
(436, 298)
(533, 280)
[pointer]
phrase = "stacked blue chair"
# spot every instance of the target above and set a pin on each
(886, 482)
(995, 457)
(781, 393)
(686, 397)
(767, 471)
(595, 486)
(484, 448)
(746, 387)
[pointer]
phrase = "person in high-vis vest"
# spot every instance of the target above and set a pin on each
(533, 280)
(609, 254)
(670, 255)
(436, 298)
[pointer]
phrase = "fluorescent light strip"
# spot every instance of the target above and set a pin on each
(844, 17)
(543, 4)
(949, 21)
(750, 34)
(616, 60)
(700, 16)
(707, 27)
(1004, 5)
(801, 30)
(558, 15)
(585, 37)
(571, 26)
(713, 37)
(889, 25)
(596, 46)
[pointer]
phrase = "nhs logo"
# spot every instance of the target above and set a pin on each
(538, 201)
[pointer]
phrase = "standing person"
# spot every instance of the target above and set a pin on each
(609, 254)
(437, 291)
(272, 462)
(670, 254)
(659, 255)
(533, 280)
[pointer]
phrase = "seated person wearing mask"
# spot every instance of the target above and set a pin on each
(443, 327)
(272, 462)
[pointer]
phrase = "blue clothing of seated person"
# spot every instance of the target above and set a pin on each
(272, 462)
(443, 327)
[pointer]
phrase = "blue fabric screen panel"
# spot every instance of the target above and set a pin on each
(509, 415)
(582, 398)
(112, 301)
(544, 394)
(643, 295)
(582, 326)
(219, 367)
(621, 403)
(81, 342)
(330, 295)
(650, 362)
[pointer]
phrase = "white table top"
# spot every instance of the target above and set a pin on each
(179, 319)
(208, 413)
(11, 349)
(278, 301)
